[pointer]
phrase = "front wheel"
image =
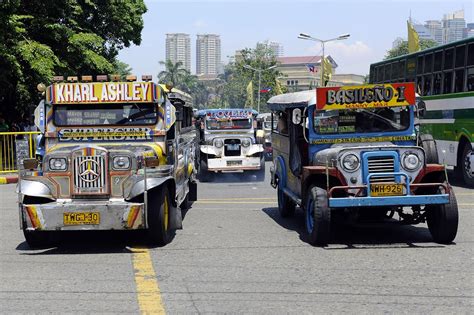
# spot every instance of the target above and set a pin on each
(318, 217)
(466, 167)
(286, 206)
(443, 220)
(37, 239)
(159, 209)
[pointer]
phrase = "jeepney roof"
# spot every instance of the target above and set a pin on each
(203, 112)
(292, 100)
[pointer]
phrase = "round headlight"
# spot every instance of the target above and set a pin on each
(121, 162)
(58, 164)
(218, 143)
(350, 162)
(410, 161)
(246, 142)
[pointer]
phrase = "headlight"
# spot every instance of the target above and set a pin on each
(121, 162)
(58, 164)
(410, 161)
(218, 143)
(246, 142)
(350, 162)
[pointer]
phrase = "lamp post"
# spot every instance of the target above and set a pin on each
(309, 37)
(259, 70)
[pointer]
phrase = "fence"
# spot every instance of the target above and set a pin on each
(8, 148)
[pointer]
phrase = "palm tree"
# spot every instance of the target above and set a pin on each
(174, 73)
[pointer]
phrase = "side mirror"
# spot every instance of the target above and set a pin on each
(421, 108)
(297, 116)
(151, 161)
(30, 163)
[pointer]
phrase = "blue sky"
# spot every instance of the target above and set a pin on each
(373, 26)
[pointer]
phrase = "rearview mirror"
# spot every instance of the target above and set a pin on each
(296, 118)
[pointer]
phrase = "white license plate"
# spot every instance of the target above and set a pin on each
(233, 147)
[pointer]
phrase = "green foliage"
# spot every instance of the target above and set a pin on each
(402, 48)
(39, 39)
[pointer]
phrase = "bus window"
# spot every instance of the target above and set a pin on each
(437, 60)
(411, 69)
(459, 81)
(386, 71)
(437, 83)
(419, 85)
(395, 71)
(448, 81)
(470, 78)
(379, 74)
(419, 65)
(401, 69)
(428, 63)
(448, 58)
(460, 54)
(427, 85)
(470, 55)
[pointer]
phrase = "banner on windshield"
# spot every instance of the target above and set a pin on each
(365, 96)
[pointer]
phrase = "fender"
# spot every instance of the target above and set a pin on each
(34, 189)
(138, 188)
(255, 148)
(280, 170)
(208, 149)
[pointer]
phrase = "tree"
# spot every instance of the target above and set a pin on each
(173, 74)
(39, 39)
(402, 48)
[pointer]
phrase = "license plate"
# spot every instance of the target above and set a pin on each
(234, 163)
(233, 147)
(81, 218)
(377, 190)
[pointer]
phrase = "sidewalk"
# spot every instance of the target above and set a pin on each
(10, 178)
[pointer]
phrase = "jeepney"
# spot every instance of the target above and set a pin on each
(353, 152)
(117, 156)
(228, 143)
(264, 123)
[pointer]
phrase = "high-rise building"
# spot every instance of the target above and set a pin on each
(454, 26)
(208, 54)
(275, 47)
(423, 32)
(470, 30)
(436, 29)
(178, 48)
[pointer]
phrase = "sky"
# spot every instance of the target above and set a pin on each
(372, 24)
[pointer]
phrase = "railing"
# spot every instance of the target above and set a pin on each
(8, 160)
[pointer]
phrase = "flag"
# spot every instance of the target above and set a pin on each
(327, 70)
(311, 68)
(413, 39)
(249, 102)
(266, 90)
(278, 89)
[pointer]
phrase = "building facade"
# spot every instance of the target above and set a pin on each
(208, 54)
(178, 48)
(275, 47)
(454, 26)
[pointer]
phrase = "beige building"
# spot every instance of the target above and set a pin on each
(208, 54)
(178, 48)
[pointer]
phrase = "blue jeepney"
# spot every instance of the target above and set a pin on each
(355, 152)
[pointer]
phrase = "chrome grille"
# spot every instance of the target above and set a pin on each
(381, 164)
(89, 174)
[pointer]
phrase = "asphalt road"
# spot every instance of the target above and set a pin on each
(235, 255)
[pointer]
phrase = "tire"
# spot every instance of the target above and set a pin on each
(204, 175)
(318, 217)
(286, 206)
(185, 204)
(160, 208)
(37, 239)
(429, 145)
(443, 220)
(465, 168)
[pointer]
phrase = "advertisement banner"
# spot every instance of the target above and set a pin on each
(365, 96)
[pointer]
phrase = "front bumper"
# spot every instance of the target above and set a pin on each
(113, 215)
(234, 163)
(410, 200)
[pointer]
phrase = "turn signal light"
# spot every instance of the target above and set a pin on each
(147, 77)
(115, 77)
(72, 79)
(58, 78)
(102, 78)
(86, 78)
(131, 78)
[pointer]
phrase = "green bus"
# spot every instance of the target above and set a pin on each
(444, 78)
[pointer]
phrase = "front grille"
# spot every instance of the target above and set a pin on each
(232, 147)
(381, 164)
(89, 174)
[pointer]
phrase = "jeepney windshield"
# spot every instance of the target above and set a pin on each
(224, 124)
(346, 121)
(105, 114)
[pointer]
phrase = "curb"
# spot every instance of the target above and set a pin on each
(8, 179)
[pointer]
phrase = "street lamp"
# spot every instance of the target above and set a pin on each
(309, 37)
(259, 80)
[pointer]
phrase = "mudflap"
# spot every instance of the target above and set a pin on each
(176, 219)
(192, 191)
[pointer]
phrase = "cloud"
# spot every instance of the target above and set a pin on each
(351, 57)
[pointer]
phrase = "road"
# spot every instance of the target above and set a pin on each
(235, 255)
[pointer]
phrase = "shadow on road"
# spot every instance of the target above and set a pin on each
(220, 178)
(388, 234)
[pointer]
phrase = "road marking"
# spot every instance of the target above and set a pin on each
(148, 291)
(222, 199)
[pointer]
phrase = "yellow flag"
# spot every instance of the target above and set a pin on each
(249, 102)
(278, 89)
(413, 39)
(327, 71)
